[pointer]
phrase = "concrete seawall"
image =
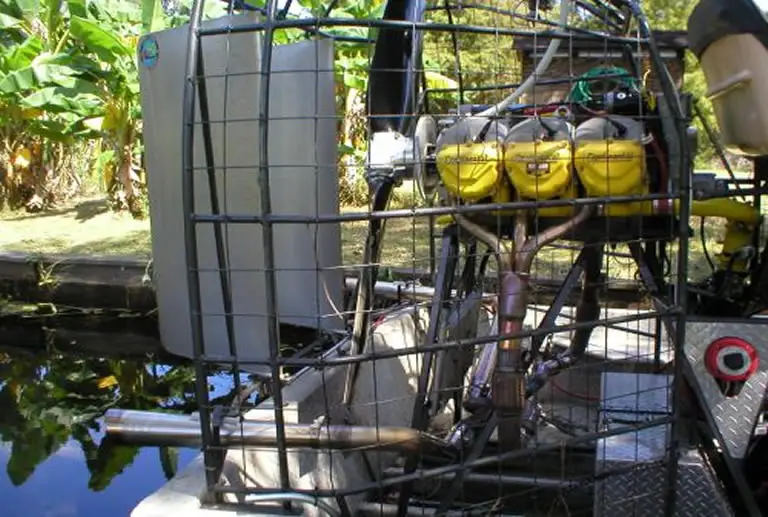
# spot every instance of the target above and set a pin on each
(124, 283)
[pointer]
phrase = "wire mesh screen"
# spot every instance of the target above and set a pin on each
(444, 249)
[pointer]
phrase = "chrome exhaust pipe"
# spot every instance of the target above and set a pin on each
(404, 290)
(163, 429)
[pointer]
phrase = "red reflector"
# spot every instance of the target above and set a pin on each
(731, 359)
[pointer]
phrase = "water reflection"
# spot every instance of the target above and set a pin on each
(57, 461)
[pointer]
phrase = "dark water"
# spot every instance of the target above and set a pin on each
(54, 458)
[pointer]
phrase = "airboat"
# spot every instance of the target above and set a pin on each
(465, 391)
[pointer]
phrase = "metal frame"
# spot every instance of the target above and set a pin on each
(673, 311)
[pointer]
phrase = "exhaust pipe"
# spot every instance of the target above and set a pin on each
(163, 429)
(508, 392)
(403, 290)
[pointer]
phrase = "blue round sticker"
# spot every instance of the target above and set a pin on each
(148, 52)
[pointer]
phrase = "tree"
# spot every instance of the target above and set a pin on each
(44, 95)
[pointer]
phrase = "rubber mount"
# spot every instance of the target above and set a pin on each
(731, 359)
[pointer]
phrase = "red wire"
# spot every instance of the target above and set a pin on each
(661, 157)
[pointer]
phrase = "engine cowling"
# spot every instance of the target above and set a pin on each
(537, 158)
(609, 157)
(481, 160)
(469, 159)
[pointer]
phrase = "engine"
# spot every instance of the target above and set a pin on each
(594, 144)
(545, 158)
(538, 159)
(470, 160)
(610, 161)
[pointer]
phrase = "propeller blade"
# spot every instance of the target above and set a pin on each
(394, 73)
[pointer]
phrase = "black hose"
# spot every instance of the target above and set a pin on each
(704, 245)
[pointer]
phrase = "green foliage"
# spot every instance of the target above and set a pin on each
(695, 84)
(104, 43)
(68, 75)
(482, 59)
(43, 94)
(352, 60)
(107, 461)
(152, 16)
(48, 400)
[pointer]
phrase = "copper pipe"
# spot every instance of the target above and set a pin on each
(521, 229)
(513, 292)
(513, 288)
(501, 250)
(513, 300)
(508, 390)
(515, 267)
(159, 429)
(509, 393)
(527, 252)
(511, 284)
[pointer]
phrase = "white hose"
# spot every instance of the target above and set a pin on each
(295, 498)
(541, 68)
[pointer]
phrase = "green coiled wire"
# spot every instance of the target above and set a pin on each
(581, 93)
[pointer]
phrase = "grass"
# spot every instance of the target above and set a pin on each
(87, 227)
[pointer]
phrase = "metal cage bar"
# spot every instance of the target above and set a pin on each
(224, 428)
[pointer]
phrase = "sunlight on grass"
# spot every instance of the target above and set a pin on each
(83, 228)
(88, 228)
